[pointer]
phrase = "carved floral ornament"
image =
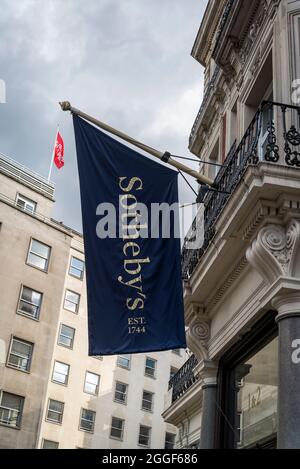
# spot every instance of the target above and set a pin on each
(274, 253)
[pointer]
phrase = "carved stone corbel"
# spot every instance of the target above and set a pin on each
(198, 333)
(275, 251)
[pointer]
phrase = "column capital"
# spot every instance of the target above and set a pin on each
(208, 371)
(287, 304)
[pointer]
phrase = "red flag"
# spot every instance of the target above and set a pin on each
(59, 151)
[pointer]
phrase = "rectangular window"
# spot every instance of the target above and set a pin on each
(48, 444)
(87, 420)
(39, 255)
(55, 411)
(11, 407)
(91, 383)
(170, 440)
(150, 368)
(76, 268)
(144, 436)
(117, 428)
(124, 361)
(66, 336)
(20, 354)
(121, 392)
(30, 303)
(60, 373)
(72, 301)
(147, 401)
(26, 204)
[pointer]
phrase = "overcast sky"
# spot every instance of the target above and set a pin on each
(126, 62)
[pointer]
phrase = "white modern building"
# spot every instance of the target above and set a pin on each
(52, 394)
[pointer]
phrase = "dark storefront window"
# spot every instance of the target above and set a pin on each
(248, 390)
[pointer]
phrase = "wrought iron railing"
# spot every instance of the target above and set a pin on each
(272, 136)
(183, 379)
(207, 95)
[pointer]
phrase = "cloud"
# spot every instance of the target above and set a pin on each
(125, 61)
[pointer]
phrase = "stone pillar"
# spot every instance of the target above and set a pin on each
(208, 375)
(288, 319)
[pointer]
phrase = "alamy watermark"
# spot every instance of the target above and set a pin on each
(2, 92)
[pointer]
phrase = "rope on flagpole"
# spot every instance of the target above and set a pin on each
(166, 156)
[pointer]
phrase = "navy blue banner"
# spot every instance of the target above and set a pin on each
(134, 287)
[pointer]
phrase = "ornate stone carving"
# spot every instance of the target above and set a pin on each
(198, 332)
(253, 32)
(274, 252)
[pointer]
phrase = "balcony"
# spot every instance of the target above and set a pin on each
(273, 136)
(183, 379)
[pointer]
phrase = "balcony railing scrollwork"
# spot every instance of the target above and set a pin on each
(183, 379)
(272, 136)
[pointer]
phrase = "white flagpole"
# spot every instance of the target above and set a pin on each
(52, 159)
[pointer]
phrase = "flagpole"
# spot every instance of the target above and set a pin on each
(66, 106)
(52, 159)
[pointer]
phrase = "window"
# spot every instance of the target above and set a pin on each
(117, 428)
(72, 301)
(20, 354)
(150, 367)
(76, 268)
(60, 373)
(173, 371)
(177, 351)
(91, 383)
(87, 420)
(121, 392)
(38, 255)
(26, 204)
(144, 436)
(66, 336)
(48, 444)
(147, 401)
(55, 411)
(11, 407)
(30, 303)
(124, 361)
(170, 440)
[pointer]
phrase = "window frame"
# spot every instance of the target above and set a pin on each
(126, 393)
(121, 438)
(59, 334)
(139, 434)
(262, 333)
(77, 304)
(46, 270)
(81, 418)
(28, 201)
(174, 443)
(155, 368)
(29, 359)
(50, 441)
(19, 412)
(152, 401)
(124, 366)
(47, 419)
(68, 375)
(20, 312)
(97, 387)
(70, 266)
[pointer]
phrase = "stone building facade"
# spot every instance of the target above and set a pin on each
(52, 394)
(242, 287)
